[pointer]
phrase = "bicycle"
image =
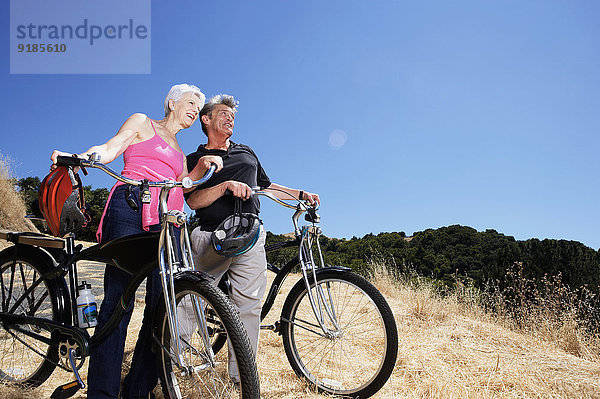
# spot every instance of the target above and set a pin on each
(339, 333)
(39, 324)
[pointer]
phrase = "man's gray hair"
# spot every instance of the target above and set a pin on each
(224, 99)
(178, 91)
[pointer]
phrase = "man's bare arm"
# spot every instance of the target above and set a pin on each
(286, 193)
(201, 198)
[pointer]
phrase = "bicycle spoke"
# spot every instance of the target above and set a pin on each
(295, 323)
(23, 358)
(26, 344)
(349, 360)
(3, 288)
(10, 287)
(23, 281)
(203, 311)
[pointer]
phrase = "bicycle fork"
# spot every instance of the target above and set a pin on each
(171, 262)
(321, 300)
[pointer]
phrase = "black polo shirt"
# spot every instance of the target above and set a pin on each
(241, 164)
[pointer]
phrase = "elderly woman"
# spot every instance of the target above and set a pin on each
(150, 151)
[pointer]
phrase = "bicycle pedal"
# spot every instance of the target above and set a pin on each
(276, 327)
(66, 391)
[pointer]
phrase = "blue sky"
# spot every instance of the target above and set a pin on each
(402, 115)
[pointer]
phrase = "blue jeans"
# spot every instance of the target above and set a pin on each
(106, 359)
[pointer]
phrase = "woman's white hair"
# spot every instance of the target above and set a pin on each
(178, 91)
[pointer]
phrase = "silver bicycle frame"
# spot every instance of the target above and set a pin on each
(320, 301)
(169, 260)
(322, 305)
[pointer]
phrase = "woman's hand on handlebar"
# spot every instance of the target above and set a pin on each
(55, 155)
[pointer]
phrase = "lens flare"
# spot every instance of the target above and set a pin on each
(337, 139)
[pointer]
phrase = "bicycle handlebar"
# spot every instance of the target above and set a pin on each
(186, 182)
(279, 201)
(257, 191)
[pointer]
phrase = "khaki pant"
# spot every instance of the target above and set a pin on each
(247, 275)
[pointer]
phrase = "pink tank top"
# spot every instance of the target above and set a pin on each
(154, 160)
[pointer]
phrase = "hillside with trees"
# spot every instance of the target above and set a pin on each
(522, 280)
(446, 253)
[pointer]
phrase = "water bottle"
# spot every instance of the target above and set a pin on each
(87, 311)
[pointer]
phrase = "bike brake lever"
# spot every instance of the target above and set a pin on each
(83, 169)
(312, 216)
(93, 157)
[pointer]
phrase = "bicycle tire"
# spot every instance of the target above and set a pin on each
(355, 361)
(206, 380)
(219, 339)
(25, 361)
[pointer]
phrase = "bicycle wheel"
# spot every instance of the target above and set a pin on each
(220, 337)
(201, 379)
(24, 360)
(354, 360)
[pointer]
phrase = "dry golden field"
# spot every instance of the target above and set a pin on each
(446, 350)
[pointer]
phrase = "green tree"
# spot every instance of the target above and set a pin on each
(28, 187)
(95, 200)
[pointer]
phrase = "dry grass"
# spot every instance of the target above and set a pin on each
(447, 349)
(549, 310)
(12, 207)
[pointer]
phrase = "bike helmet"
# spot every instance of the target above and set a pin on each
(237, 234)
(61, 201)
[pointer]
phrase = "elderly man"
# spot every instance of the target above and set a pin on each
(241, 171)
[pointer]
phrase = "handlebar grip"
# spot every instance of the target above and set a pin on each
(68, 161)
(254, 190)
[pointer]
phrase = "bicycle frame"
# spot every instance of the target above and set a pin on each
(135, 254)
(305, 238)
(329, 316)
(172, 262)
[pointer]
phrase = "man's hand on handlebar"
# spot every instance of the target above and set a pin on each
(312, 199)
(208, 160)
(238, 189)
(204, 165)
